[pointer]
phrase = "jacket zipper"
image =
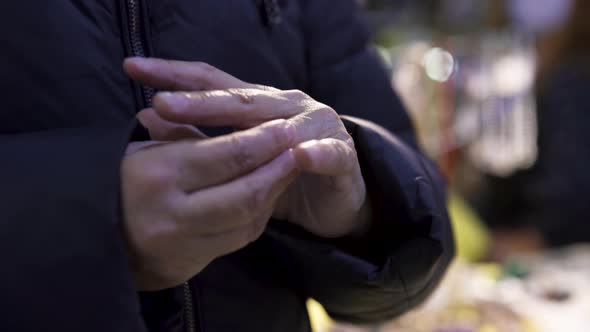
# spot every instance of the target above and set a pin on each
(138, 48)
(137, 43)
(189, 309)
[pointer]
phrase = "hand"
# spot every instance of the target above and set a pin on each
(329, 199)
(189, 202)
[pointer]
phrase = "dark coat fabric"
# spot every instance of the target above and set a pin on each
(68, 113)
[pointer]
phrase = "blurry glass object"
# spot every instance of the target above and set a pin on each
(438, 64)
(500, 91)
(476, 95)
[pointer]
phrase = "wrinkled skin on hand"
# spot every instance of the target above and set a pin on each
(329, 197)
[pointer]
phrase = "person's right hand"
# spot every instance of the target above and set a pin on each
(187, 203)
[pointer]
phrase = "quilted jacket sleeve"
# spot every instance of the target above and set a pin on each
(406, 253)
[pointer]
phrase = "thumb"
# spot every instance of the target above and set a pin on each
(329, 157)
(163, 130)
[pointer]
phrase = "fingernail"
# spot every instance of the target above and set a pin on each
(164, 94)
(285, 130)
(301, 158)
(286, 157)
(308, 144)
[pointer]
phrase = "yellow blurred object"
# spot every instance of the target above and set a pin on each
(530, 326)
(467, 315)
(488, 328)
(472, 238)
(320, 321)
(491, 270)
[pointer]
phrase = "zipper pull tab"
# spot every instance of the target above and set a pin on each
(273, 12)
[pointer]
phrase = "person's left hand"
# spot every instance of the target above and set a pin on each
(329, 198)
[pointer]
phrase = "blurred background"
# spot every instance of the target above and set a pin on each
(499, 91)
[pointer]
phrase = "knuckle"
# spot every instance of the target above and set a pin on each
(146, 180)
(350, 142)
(296, 95)
(156, 176)
(349, 153)
(279, 133)
(204, 67)
(346, 138)
(332, 124)
(265, 88)
(151, 238)
(176, 80)
(242, 158)
(328, 112)
(198, 99)
(204, 74)
(243, 97)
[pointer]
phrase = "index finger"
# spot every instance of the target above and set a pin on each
(171, 75)
(222, 159)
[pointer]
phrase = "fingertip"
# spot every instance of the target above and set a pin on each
(139, 65)
(309, 144)
(132, 64)
(326, 157)
(161, 98)
(146, 115)
(168, 105)
(284, 165)
(159, 101)
(289, 159)
(303, 155)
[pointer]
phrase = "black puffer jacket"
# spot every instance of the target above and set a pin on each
(68, 114)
